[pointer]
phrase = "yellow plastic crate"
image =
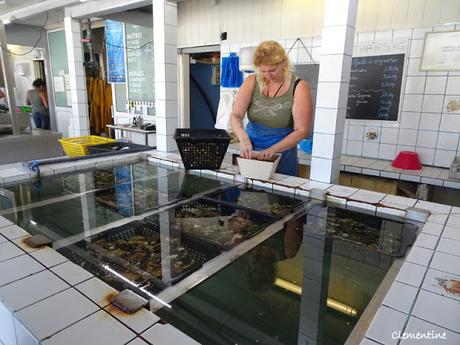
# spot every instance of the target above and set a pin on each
(74, 147)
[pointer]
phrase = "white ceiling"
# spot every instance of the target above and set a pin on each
(11, 5)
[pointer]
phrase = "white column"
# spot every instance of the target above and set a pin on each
(80, 115)
(165, 57)
(333, 84)
(316, 267)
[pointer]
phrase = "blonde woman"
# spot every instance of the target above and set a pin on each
(279, 109)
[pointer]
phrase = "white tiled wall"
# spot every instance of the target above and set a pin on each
(425, 125)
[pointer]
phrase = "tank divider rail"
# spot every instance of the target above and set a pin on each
(214, 265)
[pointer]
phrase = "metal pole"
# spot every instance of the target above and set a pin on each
(9, 78)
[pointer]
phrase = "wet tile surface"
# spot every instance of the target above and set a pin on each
(411, 274)
(416, 325)
(71, 273)
(138, 321)
(32, 289)
(61, 310)
(439, 310)
(48, 257)
(97, 291)
(446, 262)
(400, 297)
(442, 283)
(99, 328)
(8, 250)
(385, 322)
(167, 335)
(13, 232)
(17, 268)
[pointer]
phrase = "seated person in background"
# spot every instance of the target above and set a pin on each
(2, 95)
(279, 109)
(38, 99)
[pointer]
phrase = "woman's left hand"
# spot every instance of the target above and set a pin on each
(266, 154)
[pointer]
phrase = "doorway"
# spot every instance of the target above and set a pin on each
(204, 89)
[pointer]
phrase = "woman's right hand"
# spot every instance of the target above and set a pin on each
(246, 148)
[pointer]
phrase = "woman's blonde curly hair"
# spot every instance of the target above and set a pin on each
(270, 53)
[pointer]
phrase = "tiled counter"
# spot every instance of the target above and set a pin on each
(47, 299)
(382, 168)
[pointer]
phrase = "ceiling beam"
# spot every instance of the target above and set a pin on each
(104, 7)
(38, 8)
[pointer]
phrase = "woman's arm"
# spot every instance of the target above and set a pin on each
(44, 98)
(243, 99)
(302, 110)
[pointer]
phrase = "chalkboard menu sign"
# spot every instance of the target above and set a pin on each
(375, 87)
(140, 63)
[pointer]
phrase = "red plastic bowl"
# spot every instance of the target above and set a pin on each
(407, 160)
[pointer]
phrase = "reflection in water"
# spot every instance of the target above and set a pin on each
(276, 294)
(68, 205)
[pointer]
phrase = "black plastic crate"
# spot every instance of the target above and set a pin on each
(214, 224)
(118, 147)
(202, 148)
(134, 249)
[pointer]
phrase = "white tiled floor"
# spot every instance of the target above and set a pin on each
(97, 291)
(384, 324)
(426, 241)
(8, 250)
(61, 310)
(394, 199)
(12, 232)
(139, 321)
(341, 191)
(449, 246)
(17, 268)
(411, 274)
(451, 232)
(437, 218)
(99, 328)
(441, 311)
(71, 273)
(433, 207)
(32, 289)
(445, 262)
(400, 297)
(419, 255)
(432, 229)
(454, 221)
(416, 325)
(367, 196)
(167, 335)
(439, 282)
(48, 257)
(4, 222)
(24, 246)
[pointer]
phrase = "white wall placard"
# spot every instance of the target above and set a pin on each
(441, 51)
(381, 47)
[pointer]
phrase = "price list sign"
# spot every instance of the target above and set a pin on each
(140, 63)
(375, 87)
